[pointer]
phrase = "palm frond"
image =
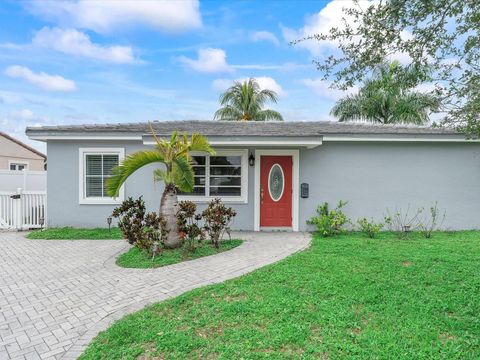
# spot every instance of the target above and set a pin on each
(162, 175)
(228, 113)
(268, 115)
(244, 101)
(182, 174)
(388, 97)
(200, 143)
(128, 166)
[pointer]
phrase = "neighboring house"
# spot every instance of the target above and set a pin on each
(273, 174)
(15, 155)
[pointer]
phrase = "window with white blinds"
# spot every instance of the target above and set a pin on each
(223, 175)
(98, 170)
(96, 167)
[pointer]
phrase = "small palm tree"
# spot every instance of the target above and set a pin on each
(176, 175)
(244, 101)
(388, 98)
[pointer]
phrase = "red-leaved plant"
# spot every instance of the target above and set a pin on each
(218, 219)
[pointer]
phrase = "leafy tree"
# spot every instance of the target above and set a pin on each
(444, 34)
(177, 174)
(244, 101)
(387, 98)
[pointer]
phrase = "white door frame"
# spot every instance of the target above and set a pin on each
(295, 154)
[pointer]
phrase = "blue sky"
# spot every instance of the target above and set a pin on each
(73, 62)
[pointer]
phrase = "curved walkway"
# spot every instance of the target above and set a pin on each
(56, 295)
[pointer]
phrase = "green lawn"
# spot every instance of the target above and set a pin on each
(345, 297)
(135, 258)
(69, 233)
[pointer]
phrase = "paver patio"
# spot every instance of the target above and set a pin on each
(56, 295)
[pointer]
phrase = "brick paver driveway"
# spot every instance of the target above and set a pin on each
(56, 295)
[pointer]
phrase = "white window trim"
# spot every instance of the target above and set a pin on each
(82, 152)
(295, 184)
(243, 199)
(19, 162)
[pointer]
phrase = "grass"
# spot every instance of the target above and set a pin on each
(345, 297)
(135, 258)
(69, 233)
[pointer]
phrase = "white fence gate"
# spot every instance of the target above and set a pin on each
(23, 210)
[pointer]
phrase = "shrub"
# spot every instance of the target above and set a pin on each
(217, 219)
(131, 214)
(329, 222)
(190, 231)
(370, 228)
(403, 223)
(430, 222)
(144, 230)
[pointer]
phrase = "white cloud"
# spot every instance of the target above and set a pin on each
(41, 79)
(322, 87)
(106, 16)
(265, 36)
(330, 16)
(209, 60)
(264, 82)
(15, 122)
(74, 42)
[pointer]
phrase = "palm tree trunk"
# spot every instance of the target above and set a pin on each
(168, 212)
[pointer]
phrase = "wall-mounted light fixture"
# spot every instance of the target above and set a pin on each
(109, 222)
(251, 160)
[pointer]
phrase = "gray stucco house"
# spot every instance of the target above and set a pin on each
(273, 174)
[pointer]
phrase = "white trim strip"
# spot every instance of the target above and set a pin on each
(397, 139)
(83, 137)
(309, 144)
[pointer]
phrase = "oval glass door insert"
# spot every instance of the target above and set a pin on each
(276, 182)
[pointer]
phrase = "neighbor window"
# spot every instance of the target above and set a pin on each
(95, 169)
(223, 175)
(18, 166)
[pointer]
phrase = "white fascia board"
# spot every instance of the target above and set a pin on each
(398, 139)
(84, 137)
(309, 144)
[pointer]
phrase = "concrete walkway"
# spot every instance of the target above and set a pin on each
(56, 295)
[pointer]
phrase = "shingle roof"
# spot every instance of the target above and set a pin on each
(232, 128)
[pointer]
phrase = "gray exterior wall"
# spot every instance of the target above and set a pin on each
(374, 176)
(63, 183)
(371, 176)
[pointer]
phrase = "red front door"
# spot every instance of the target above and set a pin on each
(276, 191)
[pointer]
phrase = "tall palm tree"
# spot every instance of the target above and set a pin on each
(177, 174)
(388, 98)
(244, 101)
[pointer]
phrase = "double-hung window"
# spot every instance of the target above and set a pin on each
(223, 175)
(96, 165)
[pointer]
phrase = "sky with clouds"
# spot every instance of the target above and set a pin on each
(74, 62)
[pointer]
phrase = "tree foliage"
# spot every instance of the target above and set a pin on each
(176, 173)
(244, 101)
(388, 98)
(443, 34)
(173, 153)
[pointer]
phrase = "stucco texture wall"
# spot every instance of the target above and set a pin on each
(372, 177)
(63, 184)
(13, 152)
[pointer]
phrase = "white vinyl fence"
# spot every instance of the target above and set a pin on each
(22, 210)
(11, 180)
